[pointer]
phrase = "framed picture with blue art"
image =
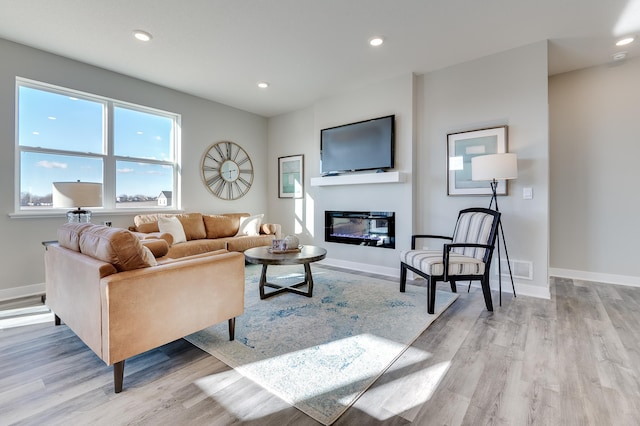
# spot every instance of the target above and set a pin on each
(291, 176)
(461, 148)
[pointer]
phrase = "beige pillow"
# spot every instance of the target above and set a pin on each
(250, 225)
(172, 225)
(219, 226)
(148, 256)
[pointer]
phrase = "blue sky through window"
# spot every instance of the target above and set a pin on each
(63, 138)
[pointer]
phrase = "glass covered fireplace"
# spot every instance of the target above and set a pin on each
(375, 229)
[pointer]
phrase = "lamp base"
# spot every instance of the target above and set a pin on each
(79, 216)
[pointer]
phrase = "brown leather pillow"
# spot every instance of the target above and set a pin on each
(117, 246)
(193, 226)
(220, 226)
(158, 247)
(146, 223)
(69, 235)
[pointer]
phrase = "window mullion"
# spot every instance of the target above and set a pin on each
(109, 191)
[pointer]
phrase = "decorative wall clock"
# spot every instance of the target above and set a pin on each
(227, 170)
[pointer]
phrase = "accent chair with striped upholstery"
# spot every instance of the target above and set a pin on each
(466, 258)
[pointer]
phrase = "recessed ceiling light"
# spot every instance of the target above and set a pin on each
(142, 35)
(376, 41)
(263, 84)
(620, 56)
(625, 41)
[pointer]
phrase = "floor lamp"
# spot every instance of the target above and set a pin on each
(496, 167)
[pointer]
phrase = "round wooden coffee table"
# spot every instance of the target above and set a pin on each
(263, 256)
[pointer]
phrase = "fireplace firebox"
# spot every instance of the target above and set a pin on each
(374, 229)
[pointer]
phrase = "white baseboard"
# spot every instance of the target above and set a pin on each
(24, 291)
(627, 280)
(521, 289)
(363, 267)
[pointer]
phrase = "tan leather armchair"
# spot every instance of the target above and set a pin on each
(119, 314)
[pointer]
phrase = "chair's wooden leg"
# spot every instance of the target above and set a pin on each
(403, 277)
(56, 320)
(232, 328)
(486, 291)
(453, 286)
(431, 295)
(118, 376)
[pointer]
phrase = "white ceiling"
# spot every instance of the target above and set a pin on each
(310, 49)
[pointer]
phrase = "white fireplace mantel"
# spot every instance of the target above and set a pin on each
(359, 179)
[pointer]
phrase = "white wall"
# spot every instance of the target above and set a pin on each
(203, 123)
(508, 88)
(299, 133)
(595, 123)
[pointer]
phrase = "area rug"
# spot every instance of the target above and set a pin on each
(320, 354)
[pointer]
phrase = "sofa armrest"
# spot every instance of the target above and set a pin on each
(271, 228)
(146, 308)
(72, 282)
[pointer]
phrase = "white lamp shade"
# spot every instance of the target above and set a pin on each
(77, 194)
(494, 166)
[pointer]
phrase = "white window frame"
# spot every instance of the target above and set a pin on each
(109, 159)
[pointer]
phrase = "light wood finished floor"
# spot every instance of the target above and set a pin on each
(571, 360)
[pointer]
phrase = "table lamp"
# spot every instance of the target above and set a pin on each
(77, 195)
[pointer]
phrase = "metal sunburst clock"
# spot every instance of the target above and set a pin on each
(227, 170)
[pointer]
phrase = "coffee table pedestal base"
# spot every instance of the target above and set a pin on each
(308, 281)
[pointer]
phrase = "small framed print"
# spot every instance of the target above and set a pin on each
(461, 148)
(291, 176)
(277, 244)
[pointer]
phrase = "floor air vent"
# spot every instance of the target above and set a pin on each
(522, 269)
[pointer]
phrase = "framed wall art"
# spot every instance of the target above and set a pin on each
(291, 176)
(461, 148)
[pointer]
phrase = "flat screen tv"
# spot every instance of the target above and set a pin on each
(365, 145)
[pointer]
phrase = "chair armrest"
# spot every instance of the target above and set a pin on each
(446, 249)
(415, 237)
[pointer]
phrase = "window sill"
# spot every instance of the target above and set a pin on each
(94, 213)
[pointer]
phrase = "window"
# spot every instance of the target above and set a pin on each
(64, 135)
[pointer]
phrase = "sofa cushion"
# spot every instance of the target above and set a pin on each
(69, 235)
(220, 226)
(116, 246)
(247, 242)
(172, 225)
(195, 247)
(193, 226)
(250, 225)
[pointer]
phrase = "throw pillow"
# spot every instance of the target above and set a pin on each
(116, 246)
(69, 235)
(250, 225)
(172, 225)
(148, 256)
(193, 226)
(219, 226)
